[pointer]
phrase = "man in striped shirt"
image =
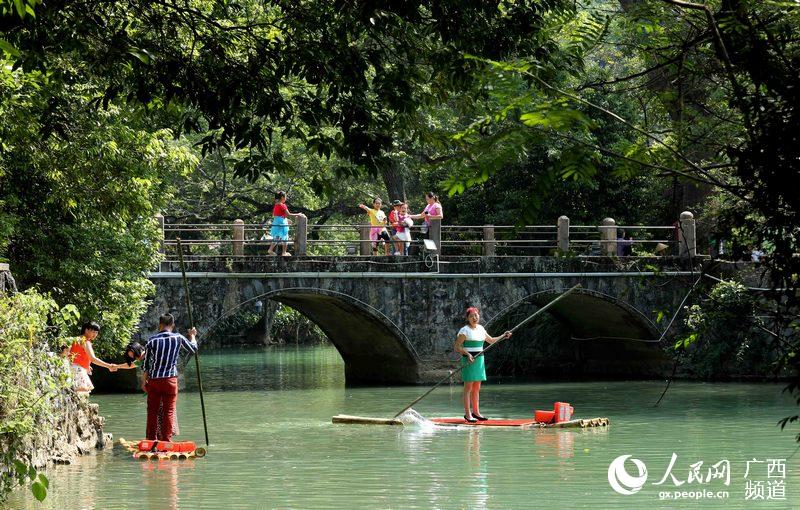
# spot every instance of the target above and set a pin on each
(161, 375)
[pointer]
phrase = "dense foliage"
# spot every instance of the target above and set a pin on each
(31, 375)
(715, 348)
(80, 188)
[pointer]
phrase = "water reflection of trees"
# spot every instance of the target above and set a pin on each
(271, 368)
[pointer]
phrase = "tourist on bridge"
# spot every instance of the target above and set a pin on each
(377, 230)
(433, 211)
(469, 343)
(624, 245)
(280, 224)
(81, 355)
(393, 217)
(161, 376)
(402, 234)
(394, 224)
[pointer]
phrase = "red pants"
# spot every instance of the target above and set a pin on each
(161, 395)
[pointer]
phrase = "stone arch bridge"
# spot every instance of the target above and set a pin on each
(396, 323)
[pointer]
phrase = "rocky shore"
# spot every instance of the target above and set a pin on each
(76, 428)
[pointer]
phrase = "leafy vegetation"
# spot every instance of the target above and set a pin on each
(715, 347)
(31, 375)
(80, 190)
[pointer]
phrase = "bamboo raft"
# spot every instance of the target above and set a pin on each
(522, 424)
(578, 424)
(364, 420)
(132, 446)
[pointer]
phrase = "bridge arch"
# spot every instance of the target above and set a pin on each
(373, 348)
(599, 335)
(589, 314)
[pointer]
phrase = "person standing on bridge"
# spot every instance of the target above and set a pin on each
(161, 376)
(469, 343)
(377, 230)
(432, 211)
(280, 224)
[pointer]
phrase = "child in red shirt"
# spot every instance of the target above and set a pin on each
(280, 224)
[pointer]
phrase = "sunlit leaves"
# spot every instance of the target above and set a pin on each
(558, 115)
(22, 8)
(8, 48)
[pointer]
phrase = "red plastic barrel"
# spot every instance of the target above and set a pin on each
(544, 416)
(563, 411)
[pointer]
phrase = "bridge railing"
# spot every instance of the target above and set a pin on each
(240, 239)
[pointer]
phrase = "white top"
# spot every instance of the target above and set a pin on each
(475, 338)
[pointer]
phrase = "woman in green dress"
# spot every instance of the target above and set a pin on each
(469, 343)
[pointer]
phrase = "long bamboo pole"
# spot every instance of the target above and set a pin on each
(191, 325)
(530, 318)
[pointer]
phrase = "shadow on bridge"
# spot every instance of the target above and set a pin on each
(595, 335)
(589, 314)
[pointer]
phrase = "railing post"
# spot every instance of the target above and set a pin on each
(686, 236)
(301, 235)
(160, 223)
(435, 234)
(365, 248)
(488, 238)
(608, 236)
(563, 234)
(238, 237)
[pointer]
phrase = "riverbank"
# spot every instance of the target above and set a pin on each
(43, 421)
(75, 428)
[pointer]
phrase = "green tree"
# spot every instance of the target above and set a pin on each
(79, 190)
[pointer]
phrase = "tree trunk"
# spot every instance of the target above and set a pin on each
(394, 182)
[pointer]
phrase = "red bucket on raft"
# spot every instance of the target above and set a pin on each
(562, 411)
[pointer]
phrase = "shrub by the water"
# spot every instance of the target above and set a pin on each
(724, 338)
(31, 374)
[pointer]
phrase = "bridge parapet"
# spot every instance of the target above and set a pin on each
(352, 240)
(443, 265)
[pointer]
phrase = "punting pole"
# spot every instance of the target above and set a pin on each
(530, 318)
(191, 325)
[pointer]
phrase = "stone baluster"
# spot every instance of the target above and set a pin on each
(563, 234)
(608, 236)
(687, 241)
(365, 246)
(300, 235)
(160, 222)
(488, 238)
(238, 238)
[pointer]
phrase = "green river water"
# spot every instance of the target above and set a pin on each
(273, 445)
